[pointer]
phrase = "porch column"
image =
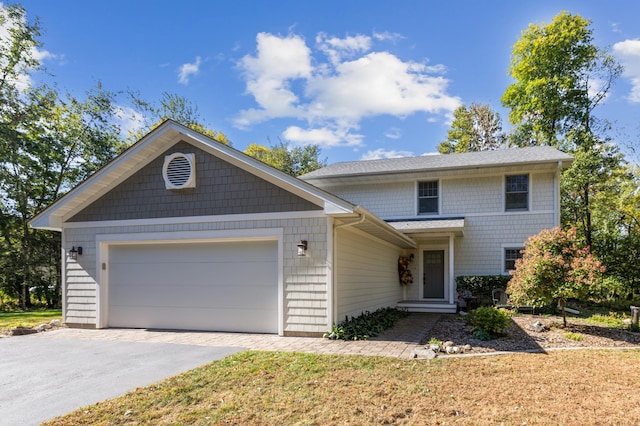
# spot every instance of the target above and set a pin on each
(452, 281)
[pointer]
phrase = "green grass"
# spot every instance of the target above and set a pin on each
(574, 336)
(10, 319)
(274, 388)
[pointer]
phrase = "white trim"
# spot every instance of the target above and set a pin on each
(452, 286)
(197, 219)
(331, 279)
(467, 215)
(417, 198)
(371, 237)
(104, 241)
(529, 192)
(63, 275)
(503, 247)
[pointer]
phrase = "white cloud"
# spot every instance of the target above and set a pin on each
(380, 153)
(628, 52)
(393, 133)
(339, 48)
(387, 36)
(129, 119)
(23, 80)
(333, 97)
(187, 70)
(322, 136)
(269, 74)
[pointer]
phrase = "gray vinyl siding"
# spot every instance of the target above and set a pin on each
(221, 189)
(304, 278)
(479, 252)
(367, 274)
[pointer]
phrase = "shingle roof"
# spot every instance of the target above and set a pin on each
(511, 156)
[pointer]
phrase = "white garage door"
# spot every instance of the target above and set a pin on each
(228, 286)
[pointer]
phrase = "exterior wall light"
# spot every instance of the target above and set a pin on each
(302, 247)
(74, 252)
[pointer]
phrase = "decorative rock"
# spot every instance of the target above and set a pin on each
(423, 354)
(55, 323)
(452, 350)
(21, 331)
(467, 348)
(434, 347)
(538, 327)
(447, 344)
(42, 327)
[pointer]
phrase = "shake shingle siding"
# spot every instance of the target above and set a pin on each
(221, 189)
(304, 278)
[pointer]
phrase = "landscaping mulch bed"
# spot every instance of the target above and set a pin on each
(520, 335)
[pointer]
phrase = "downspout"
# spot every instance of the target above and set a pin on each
(330, 290)
(556, 193)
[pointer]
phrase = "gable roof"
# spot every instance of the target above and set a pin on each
(501, 157)
(169, 133)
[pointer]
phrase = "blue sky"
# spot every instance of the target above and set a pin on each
(363, 79)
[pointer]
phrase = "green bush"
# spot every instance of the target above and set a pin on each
(489, 322)
(366, 325)
(481, 285)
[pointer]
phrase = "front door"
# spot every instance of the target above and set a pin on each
(433, 274)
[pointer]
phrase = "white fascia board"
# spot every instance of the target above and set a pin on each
(93, 187)
(302, 189)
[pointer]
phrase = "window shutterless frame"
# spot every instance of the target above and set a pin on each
(516, 193)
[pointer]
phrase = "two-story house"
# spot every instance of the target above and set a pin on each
(182, 232)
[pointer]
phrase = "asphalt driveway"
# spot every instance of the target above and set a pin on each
(41, 378)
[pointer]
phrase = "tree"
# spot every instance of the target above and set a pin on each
(55, 144)
(477, 128)
(593, 178)
(174, 107)
(560, 77)
(554, 268)
(294, 161)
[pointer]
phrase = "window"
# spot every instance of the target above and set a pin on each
(428, 197)
(511, 254)
(517, 192)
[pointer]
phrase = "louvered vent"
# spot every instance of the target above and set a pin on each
(179, 171)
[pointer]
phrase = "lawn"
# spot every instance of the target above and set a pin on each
(10, 319)
(273, 388)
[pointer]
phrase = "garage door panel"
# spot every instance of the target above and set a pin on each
(184, 319)
(203, 286)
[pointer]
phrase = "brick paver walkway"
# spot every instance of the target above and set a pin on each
(408, 334)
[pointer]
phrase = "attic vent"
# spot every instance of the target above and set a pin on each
(179, 171)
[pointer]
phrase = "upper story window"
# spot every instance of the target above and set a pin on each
(517, 192)
(428, 197)
(511, 254)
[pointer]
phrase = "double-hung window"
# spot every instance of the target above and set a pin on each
(511, 254)
(428, 197)
(516, 192)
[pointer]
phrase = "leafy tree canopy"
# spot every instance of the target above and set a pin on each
(477, 128)
(554, 268)
(173, 107)
(294, 161)
(560, 76)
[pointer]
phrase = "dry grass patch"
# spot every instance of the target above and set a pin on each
(273, 388)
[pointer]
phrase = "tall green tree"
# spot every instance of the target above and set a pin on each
(294, 161)
(174, 107)
(560, 76)
(477, 128)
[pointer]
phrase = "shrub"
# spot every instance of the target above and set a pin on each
(481, 285)
(553, 267)
(366, 325)
(489, 322)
